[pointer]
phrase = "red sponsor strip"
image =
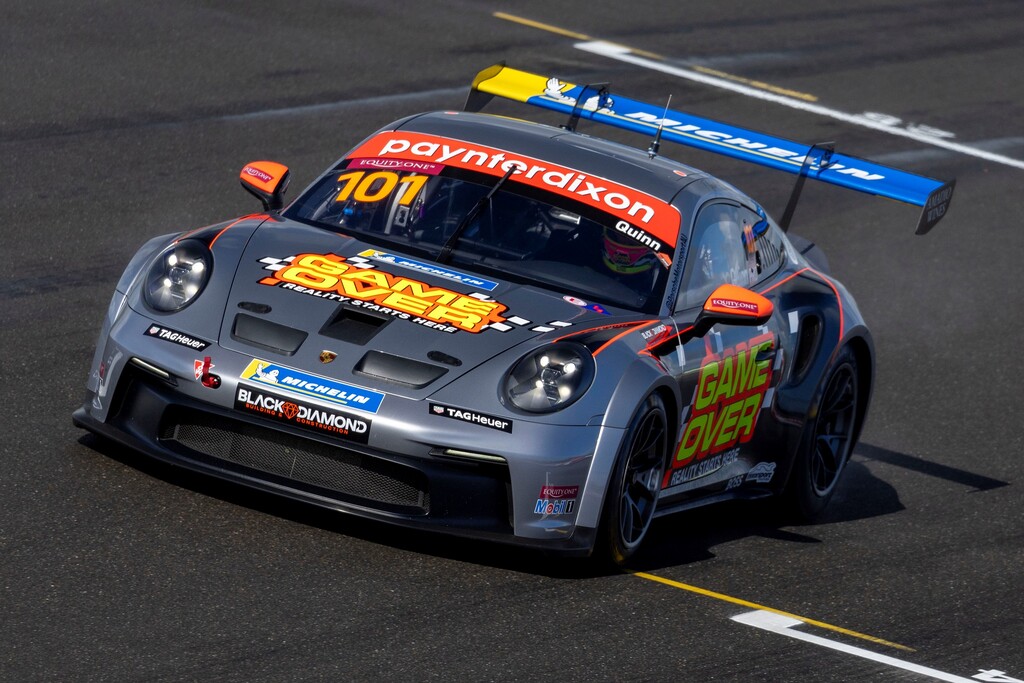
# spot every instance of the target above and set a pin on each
(647, 213)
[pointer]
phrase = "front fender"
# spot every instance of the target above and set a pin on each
(640, 378)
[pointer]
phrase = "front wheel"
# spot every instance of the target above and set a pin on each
(828, 442)
(636, 481)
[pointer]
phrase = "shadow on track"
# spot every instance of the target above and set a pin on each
(460, 549)
(679, 539)
(690, 536)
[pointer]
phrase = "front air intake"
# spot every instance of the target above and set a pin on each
(341, 472)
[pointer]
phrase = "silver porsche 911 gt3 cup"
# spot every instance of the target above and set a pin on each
(500, 329)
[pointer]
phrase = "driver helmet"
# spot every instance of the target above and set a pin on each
(625, 258)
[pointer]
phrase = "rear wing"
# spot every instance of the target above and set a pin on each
(595, 103)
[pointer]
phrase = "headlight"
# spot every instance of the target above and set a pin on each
(178, 275)
(550, 378)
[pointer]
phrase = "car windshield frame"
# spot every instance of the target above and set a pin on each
(523, 234)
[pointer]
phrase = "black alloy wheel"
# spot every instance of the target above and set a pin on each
(833, 433)
(828, 442)
(636, 483)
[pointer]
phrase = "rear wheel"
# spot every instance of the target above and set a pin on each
(828, 442)
(636, 481)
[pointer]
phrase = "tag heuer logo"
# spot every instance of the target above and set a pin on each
(327, 356)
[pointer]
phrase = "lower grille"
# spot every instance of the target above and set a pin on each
(366, 479)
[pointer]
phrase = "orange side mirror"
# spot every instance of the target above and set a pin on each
(732, 305)
(268, 180)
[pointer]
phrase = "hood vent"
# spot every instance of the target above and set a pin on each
(267, 335)
(354, 326)
(442, 357)
(254, 307)
(404, 371)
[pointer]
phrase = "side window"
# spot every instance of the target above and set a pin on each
(763, 234)
(718, 254)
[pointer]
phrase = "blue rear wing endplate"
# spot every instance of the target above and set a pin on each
(595, 103)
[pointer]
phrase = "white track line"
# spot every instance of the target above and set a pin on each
(777, 623)
(624, 54)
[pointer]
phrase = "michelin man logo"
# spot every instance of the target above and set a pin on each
(270, 377)
(554, 89)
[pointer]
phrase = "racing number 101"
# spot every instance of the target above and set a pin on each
(373, 187)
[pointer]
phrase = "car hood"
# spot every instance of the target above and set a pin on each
(332, 305)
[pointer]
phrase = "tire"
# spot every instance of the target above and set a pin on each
(636, 481)
(828, 441)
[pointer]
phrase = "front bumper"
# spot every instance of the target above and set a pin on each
(423, 491)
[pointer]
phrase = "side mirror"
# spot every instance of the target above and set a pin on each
(729, 305)
(267, 180)
(732, 305)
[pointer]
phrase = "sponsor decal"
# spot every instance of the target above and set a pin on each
(335, 278)
(301, 414)
(411, 165)
(703, 468)
(658, 335)
(733, 483)
(556, 500)
(327, 356)
(762, 472)
(735, 305)
(723, 137)
(257, 174)
(727, 401)
(659, 219)
(175, 337)
(576, 301)
(430, 269)
(314, 386)
(638, 235)
(657, 331)
(937, 203)
(677, 274)
(556, 90)
(471, 416)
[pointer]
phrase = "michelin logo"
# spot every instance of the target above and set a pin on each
(555, 89)
(312, 386)
(429, 269)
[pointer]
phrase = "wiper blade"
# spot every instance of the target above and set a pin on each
(446, 251)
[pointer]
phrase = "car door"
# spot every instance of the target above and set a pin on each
(726, 376)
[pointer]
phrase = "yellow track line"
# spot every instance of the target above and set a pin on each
(651, 55)
(543, 27)
(757, 84)
(651, 577)
(754, 605)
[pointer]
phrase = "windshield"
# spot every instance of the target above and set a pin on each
(519, 233)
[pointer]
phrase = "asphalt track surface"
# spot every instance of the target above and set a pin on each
(124, 120)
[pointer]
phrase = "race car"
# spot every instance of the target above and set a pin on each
(495, 328)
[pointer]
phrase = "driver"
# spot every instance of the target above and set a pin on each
(720, 260)
(625, 258)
